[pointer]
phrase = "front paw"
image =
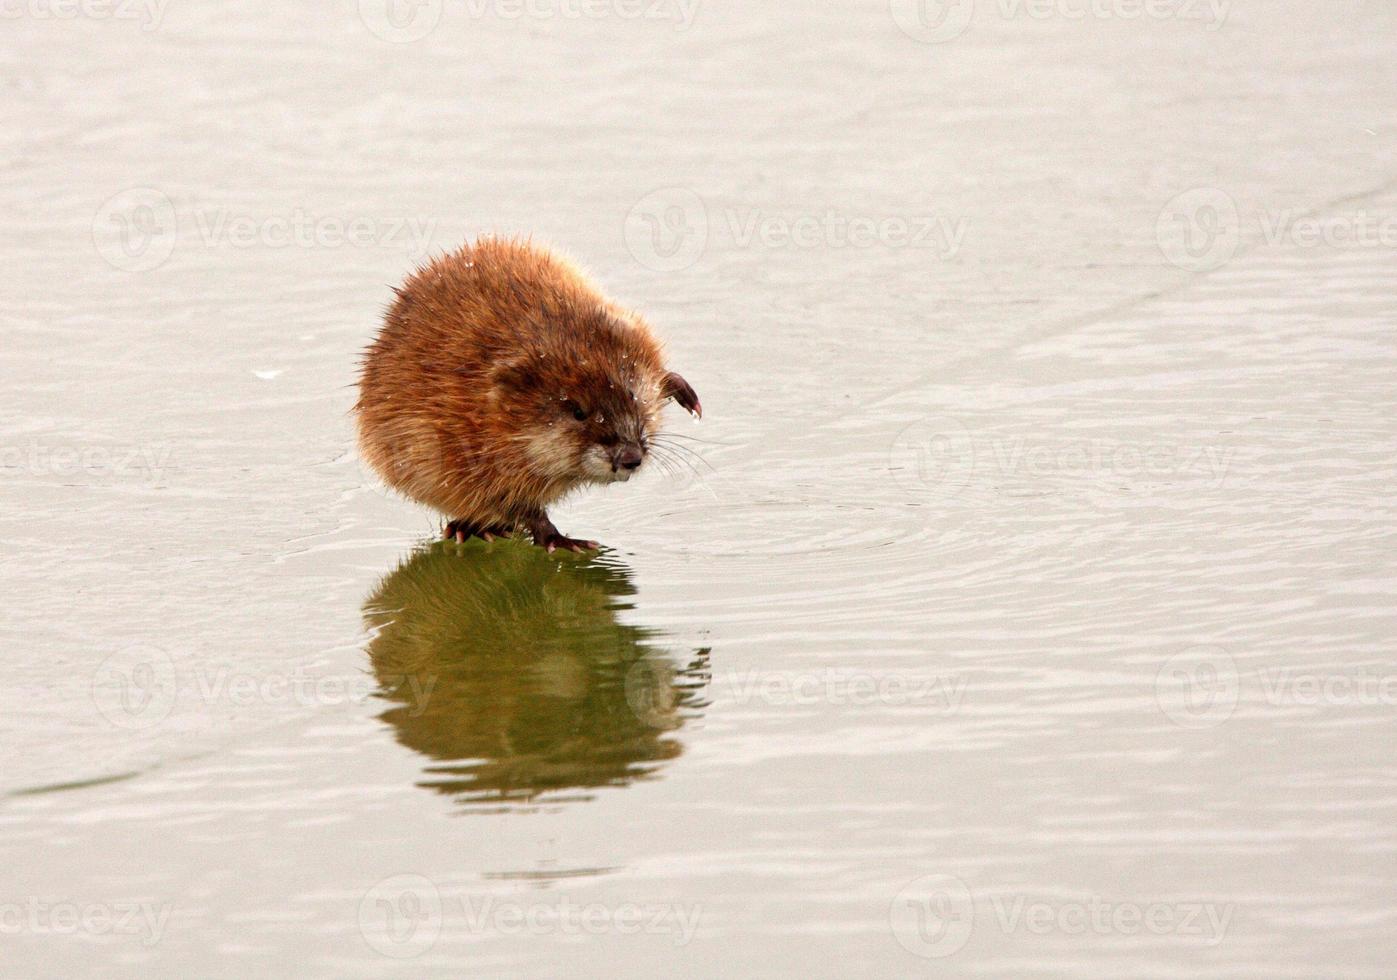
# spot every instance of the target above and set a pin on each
(461, 530)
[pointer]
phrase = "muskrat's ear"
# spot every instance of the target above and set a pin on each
(513, 375)
(682, 392)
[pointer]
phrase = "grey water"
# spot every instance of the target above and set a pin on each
(1028, 613)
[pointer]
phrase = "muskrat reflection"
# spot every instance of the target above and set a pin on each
(511, 670)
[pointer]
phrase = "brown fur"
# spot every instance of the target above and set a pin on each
(467, 396)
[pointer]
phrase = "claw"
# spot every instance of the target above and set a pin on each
(575, 545)
(463, 531)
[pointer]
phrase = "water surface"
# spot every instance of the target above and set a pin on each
(1031, 615)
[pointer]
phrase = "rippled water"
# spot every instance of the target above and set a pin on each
(1031, 614)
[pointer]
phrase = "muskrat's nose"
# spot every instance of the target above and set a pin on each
(629, 458)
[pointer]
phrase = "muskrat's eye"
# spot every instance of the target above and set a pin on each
(579, 414)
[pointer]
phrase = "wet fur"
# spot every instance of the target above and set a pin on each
(466, 397)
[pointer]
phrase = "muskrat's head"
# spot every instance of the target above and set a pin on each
(590, 413)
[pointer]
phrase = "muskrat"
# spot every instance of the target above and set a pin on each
(501, 380)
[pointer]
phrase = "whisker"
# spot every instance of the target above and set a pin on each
(666, 453)
(671, 451)
(684, 452)
(664, 464)
(674, 462)
(680, 435)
